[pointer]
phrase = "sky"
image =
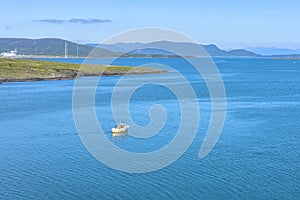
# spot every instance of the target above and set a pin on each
(226, 23)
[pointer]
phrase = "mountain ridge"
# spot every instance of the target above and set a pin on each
(184, 48)
(56, 47)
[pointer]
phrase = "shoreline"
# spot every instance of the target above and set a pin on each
(35, 79)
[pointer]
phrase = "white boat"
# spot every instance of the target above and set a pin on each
(121, 128)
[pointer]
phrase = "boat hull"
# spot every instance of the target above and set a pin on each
(120, 130)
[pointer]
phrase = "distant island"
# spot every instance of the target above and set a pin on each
(14, 70)
(57, 48)
(271, 51)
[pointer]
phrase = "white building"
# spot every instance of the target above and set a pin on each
(9, 54)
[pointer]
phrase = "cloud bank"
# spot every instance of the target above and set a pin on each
(74, 20)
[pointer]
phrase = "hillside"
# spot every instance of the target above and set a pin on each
(49, 46)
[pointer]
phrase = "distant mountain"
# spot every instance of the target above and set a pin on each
(49, 46)
(184, 48)
(56, 47)
(267, 51)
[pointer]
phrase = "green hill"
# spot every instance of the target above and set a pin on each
(50, 46)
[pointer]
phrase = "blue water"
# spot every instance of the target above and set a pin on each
(256, 157)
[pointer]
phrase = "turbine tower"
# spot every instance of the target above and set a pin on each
(66, 50)
(77, 50)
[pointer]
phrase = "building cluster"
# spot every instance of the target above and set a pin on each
(9, 54)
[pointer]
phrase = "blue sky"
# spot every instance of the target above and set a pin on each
(227, 23)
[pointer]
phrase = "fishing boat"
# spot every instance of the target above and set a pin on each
(121, 128)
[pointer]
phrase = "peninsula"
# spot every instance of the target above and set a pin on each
(14, 70)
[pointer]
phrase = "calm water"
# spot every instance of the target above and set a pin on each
(256, 157)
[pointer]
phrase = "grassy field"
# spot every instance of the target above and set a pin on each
(12, 70)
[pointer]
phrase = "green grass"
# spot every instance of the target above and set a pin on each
(18, 70)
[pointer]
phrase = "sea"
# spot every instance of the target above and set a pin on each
(256, 156)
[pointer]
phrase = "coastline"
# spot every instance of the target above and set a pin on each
(14, 70)
(11, 80)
